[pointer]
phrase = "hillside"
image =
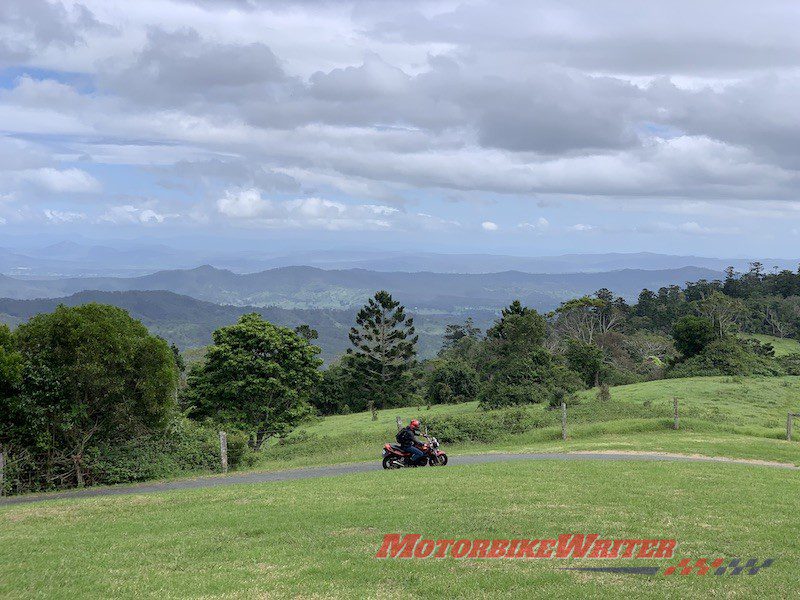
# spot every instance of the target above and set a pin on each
(189, 323)
(309, 287)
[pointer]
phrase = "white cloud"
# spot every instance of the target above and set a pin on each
(59, 216)
(129, 214)
(243, 204)
(62, 181)
(541, 224)
(581, 227)
(489, 226)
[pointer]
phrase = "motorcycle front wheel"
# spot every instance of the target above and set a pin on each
(438, 461)
(392, 462)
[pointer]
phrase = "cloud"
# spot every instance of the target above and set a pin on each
(367, 113)
(582, 227)
(251, 207)
(541, 224)
(243, 204)
(489, 226)
(59, 216)
(128, 214)
(62, 181)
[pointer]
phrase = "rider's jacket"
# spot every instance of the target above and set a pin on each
(406, 436)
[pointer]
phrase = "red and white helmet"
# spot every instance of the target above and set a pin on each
(414, 424)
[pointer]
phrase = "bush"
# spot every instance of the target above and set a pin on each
(187, 447)
(692, 335)
(531, 379)
(451, 382)
(790, 363)
(726, 357)
(484, 426)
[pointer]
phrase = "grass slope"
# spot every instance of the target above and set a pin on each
(317, 538)
(720, 416)
(783, 346)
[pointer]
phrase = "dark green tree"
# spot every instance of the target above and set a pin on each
(307, 332)
(450, 382)
(456, 332)
(692, 334)
(256, 376)
(91, 374)
(586, 360)
(385, 337)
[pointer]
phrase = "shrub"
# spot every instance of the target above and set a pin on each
(726, 357)
(790, 363)
(450, 382)
(187, 447)
(484, 426)
(531, 379)
(692, 334)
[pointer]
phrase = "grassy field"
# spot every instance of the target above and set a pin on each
(783, 346)
(318, 538)
(720, 416)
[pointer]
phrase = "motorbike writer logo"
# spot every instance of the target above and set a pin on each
(565, 546)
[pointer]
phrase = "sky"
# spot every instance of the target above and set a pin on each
(524, 127)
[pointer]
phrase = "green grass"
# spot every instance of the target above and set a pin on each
(783, 346)
(317, 538)
(719, 416)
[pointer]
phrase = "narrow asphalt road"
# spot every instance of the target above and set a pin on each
(332, 470)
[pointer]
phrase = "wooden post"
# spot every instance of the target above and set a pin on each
(2, 471)
(223, 450)
(789, 419)
(675, 413)
(563, 420)
(399, 423)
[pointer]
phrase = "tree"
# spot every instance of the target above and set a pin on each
(518, 328)
(91, 374)
(586, 360)
(257, 376)
(385, 337)
(456, 332)
(342, 389)
(722, 311)
(692, 334)
(450, 382)
(307, 332)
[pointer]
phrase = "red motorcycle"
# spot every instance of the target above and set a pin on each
(395, 458)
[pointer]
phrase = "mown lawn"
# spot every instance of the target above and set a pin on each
(741, 417)
(317, 538)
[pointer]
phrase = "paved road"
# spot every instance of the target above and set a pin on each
(328, 471)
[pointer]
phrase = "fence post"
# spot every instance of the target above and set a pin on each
(563, 420)
(2, 471)
(223, 450)
(789, 419)
(399, 423)
(675, 413)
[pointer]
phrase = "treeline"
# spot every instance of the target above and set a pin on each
(88, 395)
(598, 340)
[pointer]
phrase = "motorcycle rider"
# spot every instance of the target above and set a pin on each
(407, 438)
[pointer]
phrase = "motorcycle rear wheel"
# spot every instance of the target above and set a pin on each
(392, 462)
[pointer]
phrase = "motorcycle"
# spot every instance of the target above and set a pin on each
(395, 458)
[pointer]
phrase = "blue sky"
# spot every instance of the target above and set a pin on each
(450, 126)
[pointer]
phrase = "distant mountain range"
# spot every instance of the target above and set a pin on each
(189, 323)
(71, 259)
(310, 287)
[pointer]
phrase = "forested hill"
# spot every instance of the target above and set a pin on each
(309, 287)
(189, 323)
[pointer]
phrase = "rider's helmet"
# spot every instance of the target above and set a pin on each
(414, 424)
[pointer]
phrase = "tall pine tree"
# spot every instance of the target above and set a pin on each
(384, 336)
